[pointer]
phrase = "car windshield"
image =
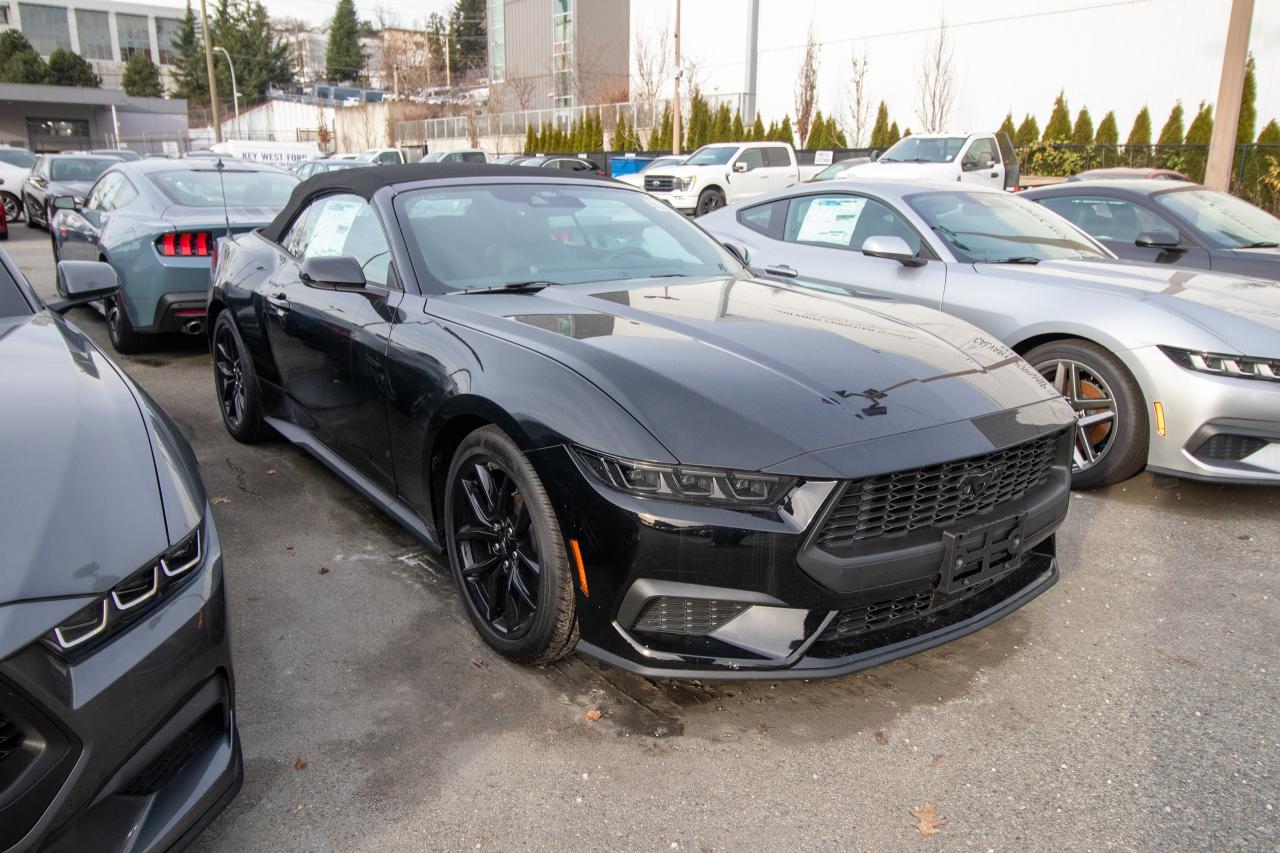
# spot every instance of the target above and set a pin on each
(712, 155)
(1229, 222)
(86, 169)
(203, 188)
(994, 227)
(924, 149)
(488, 236)
(20, 157)
(832, 172)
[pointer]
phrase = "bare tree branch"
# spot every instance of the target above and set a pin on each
(937, 83)
(807, 86)
(653, 70)
(859, 99)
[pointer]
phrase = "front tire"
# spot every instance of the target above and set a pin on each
(709, 200)
(31, 213)
(506, 552)
(12, 207)
(120, 330)
(239, 396)
(1112, 434)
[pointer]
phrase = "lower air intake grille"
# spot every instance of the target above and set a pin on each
(872, 617)
(10, 738)
(689, 616)
(1230, 448)
(896, 504)
(186, 746)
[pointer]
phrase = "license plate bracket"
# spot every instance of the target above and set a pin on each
(974, 555)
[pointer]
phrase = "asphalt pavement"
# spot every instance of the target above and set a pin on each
(1134, 706)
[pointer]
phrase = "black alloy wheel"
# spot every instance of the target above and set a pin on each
(236, 383)
(506, 551)
(709, 200)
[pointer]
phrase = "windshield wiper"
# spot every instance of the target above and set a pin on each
(1021, 259)
(1261, 244)
(511, 287)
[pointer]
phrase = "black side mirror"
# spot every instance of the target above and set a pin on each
(82, 282)
(65, 202)
(340, 272)
(739, 251)
(1158, 240)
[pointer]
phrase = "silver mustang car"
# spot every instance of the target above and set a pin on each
(1177, 370)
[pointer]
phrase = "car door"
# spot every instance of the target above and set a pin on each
(329, 345)
(1117, 223)
(820, 244)
(80, 232)
(36, 184)
(980, 163)
(748, 176)
(780, 169)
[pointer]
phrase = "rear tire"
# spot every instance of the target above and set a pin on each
(708, 201)
(1112, 437)
(12, 207)
(120, 330)
(236, 383)
(506, 553)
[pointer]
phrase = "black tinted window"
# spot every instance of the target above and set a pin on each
(343, 225)
(753, 157)
(1108, 218)
(766, 218)
(81, 168)
(776, 157)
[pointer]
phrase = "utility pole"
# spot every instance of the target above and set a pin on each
(448, 77)
(206, 37)
(749, 87)
(675, 101)
(1222, 145)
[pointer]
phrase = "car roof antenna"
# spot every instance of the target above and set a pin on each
(223, 185)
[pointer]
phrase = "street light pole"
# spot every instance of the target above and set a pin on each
(208, 64)
(235, 93)
(675, 106)
(1222, 145)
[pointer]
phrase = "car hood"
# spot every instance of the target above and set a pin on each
(741, 373)
(904, 171)
(78, 466)
(1243, 312)
(683, 171)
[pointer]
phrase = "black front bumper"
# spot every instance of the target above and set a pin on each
(685, 591)
(141, 730)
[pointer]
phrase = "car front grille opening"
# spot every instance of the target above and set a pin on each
(1225, 447)
(897, 504)
(662, 184)
(175, 756)
(692, 617)
(11, 738)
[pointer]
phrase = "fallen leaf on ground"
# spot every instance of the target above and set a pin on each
(927, 820)
(882, 738)
(271, 472)
(324, 570)
(937, 759)
(593, 715)
(221, 499)
(299, 763)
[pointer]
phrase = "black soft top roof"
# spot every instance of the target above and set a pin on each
(366, 182)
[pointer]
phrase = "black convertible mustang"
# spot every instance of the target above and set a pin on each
(625, 443)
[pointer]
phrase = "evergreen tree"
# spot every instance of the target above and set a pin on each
(880, 130)
(435, 46)
(343, 59)
(142, 77)
(1248, 105)
(1270, 134)
(757, 129)
(1082, 133)
(1108, 133)
(894, 133)
(70, 69)
(19, 62)
(262, 60)
(817, 132)
(737, 132)
(467, 39)
(698, 131)
(785, 134)
(1028, 132)
(1140, 133)
(1171, 133)
(1200, 131)
(661, 137)
(836, 134)
(190, 77)
(1007, 127)
(530, 140)
(1059, 127)
(722, 127)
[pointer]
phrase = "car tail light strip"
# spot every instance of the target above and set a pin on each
(185, 244)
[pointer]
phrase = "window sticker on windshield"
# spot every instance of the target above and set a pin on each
(329, 234)
(831, 220)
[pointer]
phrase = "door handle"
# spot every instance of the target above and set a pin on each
(279, 303)
(995, 174)
(781, 270)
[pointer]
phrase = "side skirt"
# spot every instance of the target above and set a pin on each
(362, 484)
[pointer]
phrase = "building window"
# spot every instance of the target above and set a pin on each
(167, 40)
(134, 36)
(45, 27)
(497, 42)
(4, 16)
(94, 29)
(562, 51)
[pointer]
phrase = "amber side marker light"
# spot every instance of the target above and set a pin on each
(1159, 407)
(582, 570)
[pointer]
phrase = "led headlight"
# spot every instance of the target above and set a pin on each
(691, 484)
(1218, 364)
(683, 184)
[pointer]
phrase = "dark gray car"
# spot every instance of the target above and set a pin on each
(117, 726)
(1179, 224)
(59, 174)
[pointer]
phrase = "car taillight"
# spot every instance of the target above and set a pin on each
(184, 244)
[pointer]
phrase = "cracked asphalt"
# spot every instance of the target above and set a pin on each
(1131, 707)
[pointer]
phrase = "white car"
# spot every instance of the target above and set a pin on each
(636, 179)
(15, 168)
(724, 173)
(979, 158)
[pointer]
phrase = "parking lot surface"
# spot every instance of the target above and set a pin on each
(1132, 707)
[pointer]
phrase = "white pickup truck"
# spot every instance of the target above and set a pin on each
(982, 158)
(724, 173)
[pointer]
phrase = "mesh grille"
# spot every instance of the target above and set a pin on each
(657, 182)
(160, 772)
(872, 617)
(10, 738)
(1230, 448)
(896, 504)
(688, 616)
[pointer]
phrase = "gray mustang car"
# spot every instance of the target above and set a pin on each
(117, 728)
(1175, 369)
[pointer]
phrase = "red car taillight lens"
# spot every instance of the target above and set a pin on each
(184, 244)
